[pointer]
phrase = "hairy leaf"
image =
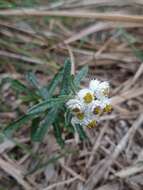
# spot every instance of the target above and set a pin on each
(54, 83)
(81, 75)
(40, 132)
(58, 134)
(65, 86)
(16, 124)
(81, 132)
(43, 106)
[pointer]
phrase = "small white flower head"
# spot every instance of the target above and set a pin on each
(89, 122)
(86, 121)
(78, 119)
(94, 84)
(89, 103)
(102, 90)
(86, 95)
(106, 105)
(75, 105)
(96, 107)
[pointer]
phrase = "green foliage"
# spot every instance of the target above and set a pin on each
(66, 84)
(81, 75)
(81, 132)
(131, 40)
(47, 104)
(41, 130)
(43, 106)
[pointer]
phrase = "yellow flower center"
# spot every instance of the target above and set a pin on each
(97, 110)
(92, 124)
(88, 98)
(76, 110)
(108, 108)
(80, 115)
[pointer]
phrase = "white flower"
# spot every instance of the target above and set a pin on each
(94, 84)
(86, 95)
(75, 105)
(78, 119)
(90, 103)
(89, 122)
(102, 90)
(106, 105)
(96, 107)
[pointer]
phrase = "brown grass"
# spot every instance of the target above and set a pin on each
(112, 159)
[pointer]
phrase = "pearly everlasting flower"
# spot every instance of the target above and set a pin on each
(94, 84)
(106, 105)
(96, 107)
(90, 103)
(75, 105)
(89, 122)
(86, 95)
(102, 90)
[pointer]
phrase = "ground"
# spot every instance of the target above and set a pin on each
(111, 44)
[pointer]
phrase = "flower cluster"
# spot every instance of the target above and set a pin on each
(90, 103)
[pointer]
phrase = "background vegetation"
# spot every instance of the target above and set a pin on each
(33, 48)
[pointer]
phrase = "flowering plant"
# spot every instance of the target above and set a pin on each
(89, 103)
(60, 105)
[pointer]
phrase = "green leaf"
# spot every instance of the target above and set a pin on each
(81, 132)
(72, 84)
(22, 88)
(81, 75)
(68, 117)
(54, 83)
(34, 127)
(34, 82)
(19, 86)
(40, 132)
(58, 134)
(43, 106)
(65, 86)
(16, 124)
(41, 165)
(138, 53)
(131, 40)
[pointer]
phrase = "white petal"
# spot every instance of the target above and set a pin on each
(105, 102)
(104, 85)
(73, 101)
(100, 92)
(94, 84)
(83, 92)
(86, 96)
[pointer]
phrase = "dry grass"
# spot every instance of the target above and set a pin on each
(112, 159)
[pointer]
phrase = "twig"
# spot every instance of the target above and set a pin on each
(77, 14)
(65, 182)
(15, 173)
(70, 171)
(95, 147)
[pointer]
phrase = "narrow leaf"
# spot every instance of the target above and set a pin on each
(33, 80)
(19, 86)
(58, 134)
(81, 75)
(81, 132)
(54, 83)
(43, 106)
(65, 86)
(43, 92)
(34, 127)
(16, 124)
(47, 122)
